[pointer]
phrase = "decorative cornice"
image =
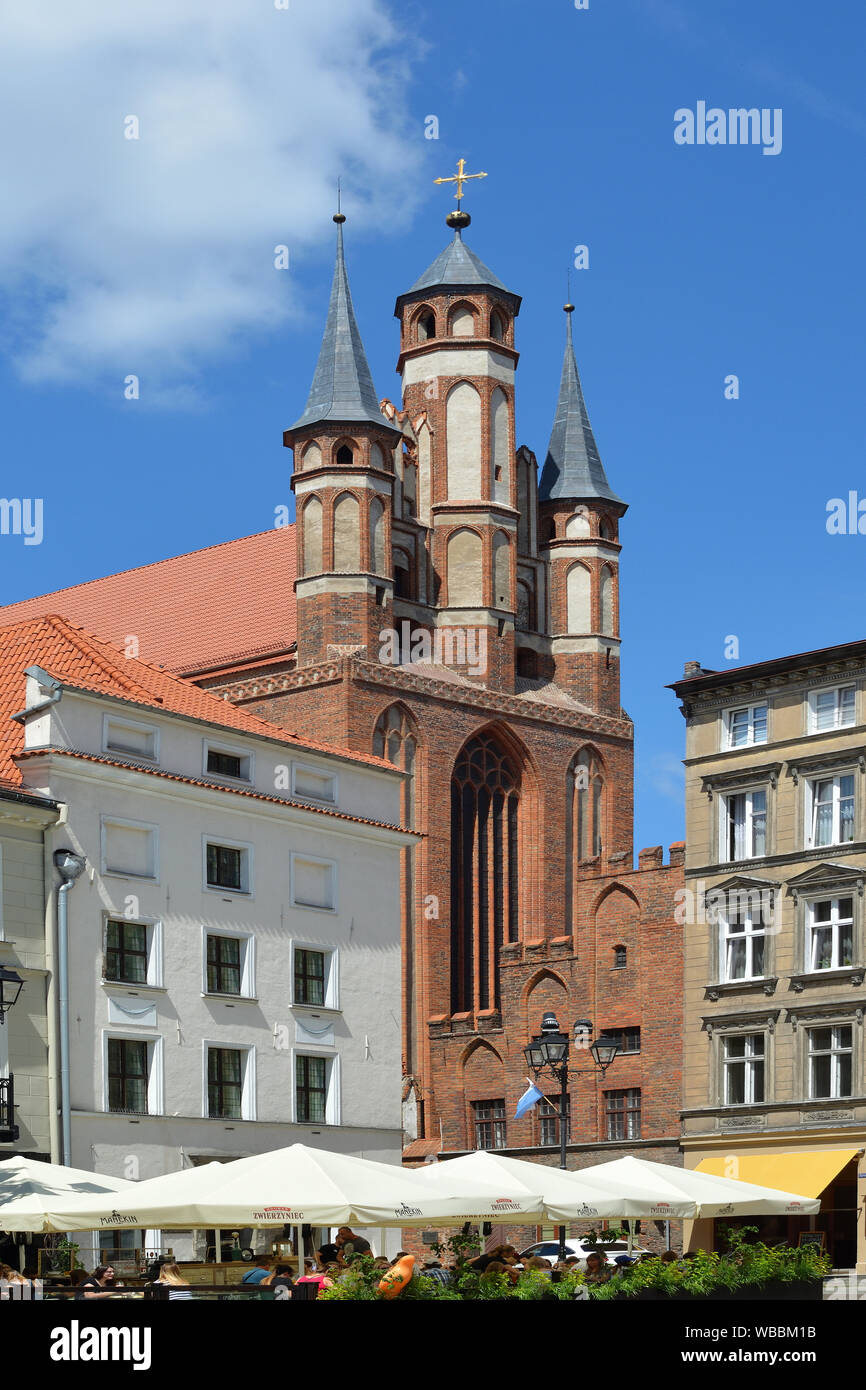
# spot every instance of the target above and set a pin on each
(741, 776)
(759, 1018)
(399, 678)
(819, 762)
(837, 1010)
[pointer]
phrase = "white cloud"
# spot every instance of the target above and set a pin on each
(666, 775)
(151, 256)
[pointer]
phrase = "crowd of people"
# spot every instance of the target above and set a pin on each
(276, 1275)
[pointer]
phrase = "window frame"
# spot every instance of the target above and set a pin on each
(247, 762)
(247, 864)
(154, 937)
(750, 709)
(247, 972)
(151, 729)
(155, 1062)
(833, 924)
(549, 1117)
(749, 935)
(331, 976)
(834, 1025)
(319, 860)
(124, 823)
(299, 767)
(331, 1059)
(248, 1079)
(624, 1113)
(618, 1034)
(749, 793)
(747, 1061)
(837, 687)
(498, 1123)
(811, 780)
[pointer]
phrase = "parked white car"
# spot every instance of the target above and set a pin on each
(549, 1250)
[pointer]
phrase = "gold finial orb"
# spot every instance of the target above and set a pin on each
(339, 217)
(569, 308)
(458, 220)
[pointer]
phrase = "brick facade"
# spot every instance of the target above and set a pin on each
(548, 694)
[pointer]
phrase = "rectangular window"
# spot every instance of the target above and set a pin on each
(549, 1116)
(225, 1082)
(830, 1053)
(622, 1114)
(309, 977)
(743, 1068)
(127, 1076)
(224, 961)
(744, 942)
(223, 764)
(311, 1089)
(126, 952)
(226, 867)
(129, 848)
(745, 825)
(313, 883)
(830, 934)
(746, 726)
(831, 709)
(489, 1117)
(313, 785)
(627, 1038)
(831, 818)
(133, 739)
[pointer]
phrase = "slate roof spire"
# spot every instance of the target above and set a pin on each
(342, 389)
(457, 265)
(573, 466)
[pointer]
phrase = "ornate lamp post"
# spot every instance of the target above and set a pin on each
(548, 1053)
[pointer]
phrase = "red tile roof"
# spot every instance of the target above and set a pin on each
(77, 658)
(229, 603)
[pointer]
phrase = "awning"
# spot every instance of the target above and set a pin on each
(806, 1173)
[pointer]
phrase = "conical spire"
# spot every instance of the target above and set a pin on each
(457, 265)
(342, 389)
(573, 467)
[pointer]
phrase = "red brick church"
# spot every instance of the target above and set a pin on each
(437, 603)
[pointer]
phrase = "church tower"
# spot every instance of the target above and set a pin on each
(579, 517)
(343, 482)
(457, 363)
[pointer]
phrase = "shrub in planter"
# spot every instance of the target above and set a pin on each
(747, 1270)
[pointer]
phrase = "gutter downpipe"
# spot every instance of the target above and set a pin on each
(69, 865)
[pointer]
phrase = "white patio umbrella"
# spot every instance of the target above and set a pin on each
(29, 1189)
(297, 1185)
(565, 1195)
(658, 1188)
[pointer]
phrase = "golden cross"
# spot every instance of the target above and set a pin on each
(460, 178)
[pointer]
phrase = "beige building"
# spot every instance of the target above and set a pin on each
(24, 1078)
(775, 936)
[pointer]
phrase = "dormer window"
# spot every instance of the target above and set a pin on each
(345, 457)
(426, 327)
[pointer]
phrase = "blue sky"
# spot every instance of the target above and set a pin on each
(704, 261)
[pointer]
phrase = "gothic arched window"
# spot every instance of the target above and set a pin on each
(485, 800)
(497, 326)
(345, 455)
(395, 739)
(425, 326)
(585, 807)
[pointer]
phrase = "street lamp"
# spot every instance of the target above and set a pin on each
(549, 1052)
(11, 985)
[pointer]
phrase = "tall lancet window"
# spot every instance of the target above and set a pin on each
(485, 802)
(394, 739)
(585, 807)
